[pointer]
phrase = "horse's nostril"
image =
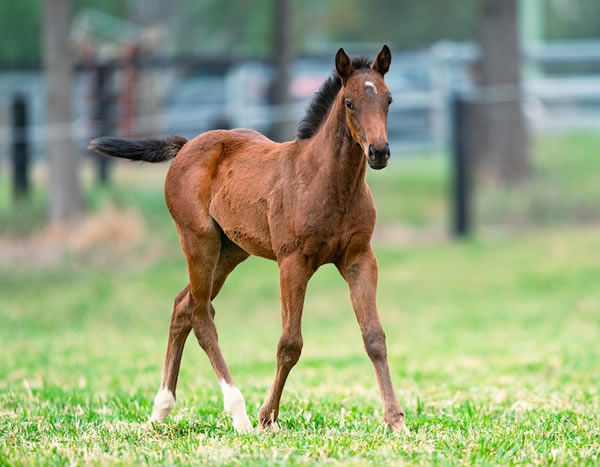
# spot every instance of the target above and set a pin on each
(381, 152)
(386, 150)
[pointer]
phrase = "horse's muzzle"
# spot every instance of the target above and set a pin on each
(378, 156)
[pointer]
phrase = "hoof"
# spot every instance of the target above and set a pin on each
(397, 424)
(235, 406)
(242, 424)
(164, 402)
(266, 419)
(268, 425)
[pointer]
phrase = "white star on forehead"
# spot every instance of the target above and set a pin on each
(370, 86)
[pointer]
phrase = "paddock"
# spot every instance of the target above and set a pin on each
(492, 346)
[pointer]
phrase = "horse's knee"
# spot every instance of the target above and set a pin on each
(207, 337)
(204, 326)
(289, 349)
(181, 295)
(375, 344)
(182, 310)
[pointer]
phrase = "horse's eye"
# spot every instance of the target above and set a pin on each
(349, 105)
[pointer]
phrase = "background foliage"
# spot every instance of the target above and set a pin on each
(243, 26)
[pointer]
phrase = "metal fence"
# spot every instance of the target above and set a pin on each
(561, 89)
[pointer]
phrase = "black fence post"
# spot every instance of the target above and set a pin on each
(103, 121)
(20, 148)
(461, 167)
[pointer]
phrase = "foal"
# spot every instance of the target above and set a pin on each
(302, 203)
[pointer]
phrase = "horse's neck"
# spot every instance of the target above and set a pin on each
(341, 161)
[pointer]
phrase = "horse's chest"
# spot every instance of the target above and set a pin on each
(325, 237)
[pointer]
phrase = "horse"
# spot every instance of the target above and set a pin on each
(303, 203)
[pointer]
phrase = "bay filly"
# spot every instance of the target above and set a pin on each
(302, 203)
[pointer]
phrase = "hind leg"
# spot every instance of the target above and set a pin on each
(202, 252)
(181, 324)
(230, 256)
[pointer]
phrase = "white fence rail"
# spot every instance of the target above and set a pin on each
(421, 83)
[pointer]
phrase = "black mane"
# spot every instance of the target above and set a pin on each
(323, 99)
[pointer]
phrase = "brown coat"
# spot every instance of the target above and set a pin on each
(302, 203)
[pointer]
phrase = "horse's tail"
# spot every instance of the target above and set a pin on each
(147, 150)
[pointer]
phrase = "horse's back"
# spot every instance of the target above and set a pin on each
(207, 152)
(250, 134)
(232, 138)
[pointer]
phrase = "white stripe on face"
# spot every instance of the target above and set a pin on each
(370, 87)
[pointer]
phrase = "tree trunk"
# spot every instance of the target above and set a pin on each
(500, 128)
(283, 128)
(65, 193)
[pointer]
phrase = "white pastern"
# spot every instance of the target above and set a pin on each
(164, 403)
(370, 86)
(235, 406)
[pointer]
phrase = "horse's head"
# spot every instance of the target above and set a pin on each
(366, 101)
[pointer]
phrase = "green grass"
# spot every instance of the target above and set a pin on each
(493, 349)
(493, 346)
(413, 191)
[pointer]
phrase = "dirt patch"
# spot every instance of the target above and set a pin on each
(111, 234)
(100, 237)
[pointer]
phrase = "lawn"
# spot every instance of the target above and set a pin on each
(493, 347)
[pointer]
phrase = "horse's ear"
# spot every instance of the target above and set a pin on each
(343, 65)
(383, 60)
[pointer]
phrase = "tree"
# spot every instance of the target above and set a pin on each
(282, 57)
(65, 192)
(500, 129)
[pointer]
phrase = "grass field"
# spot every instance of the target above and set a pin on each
(493, 347)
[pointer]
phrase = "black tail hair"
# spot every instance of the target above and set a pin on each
(147, 150)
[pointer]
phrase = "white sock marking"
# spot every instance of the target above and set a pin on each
(235, 406)
(369, 84)
(164, 402)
